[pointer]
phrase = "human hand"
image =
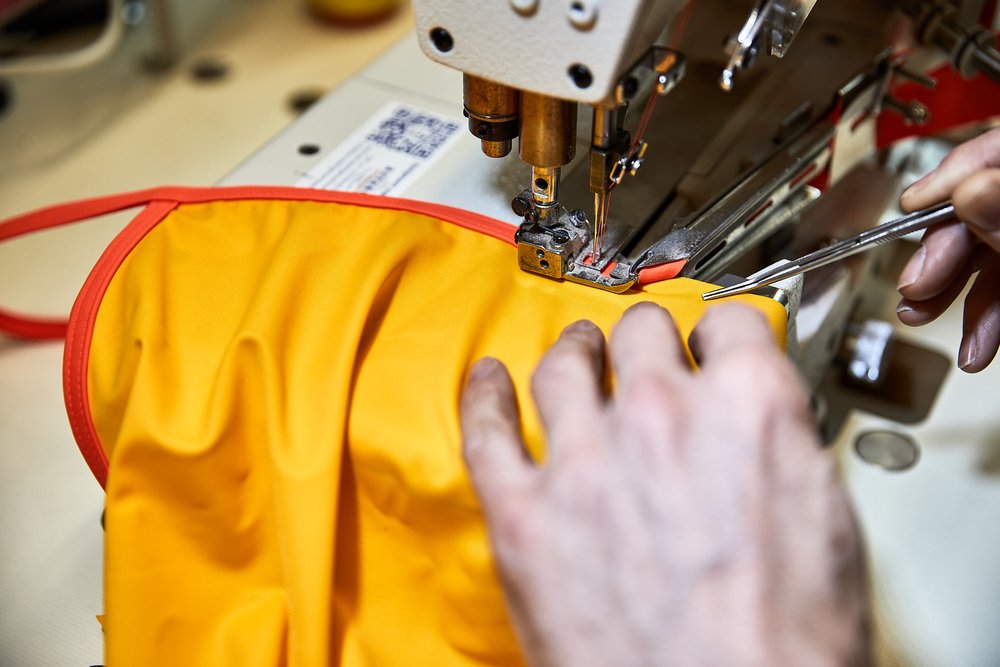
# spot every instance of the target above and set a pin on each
(952, 252)
(689, 519)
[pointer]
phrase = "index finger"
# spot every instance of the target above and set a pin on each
(645, 344)
(983, 152)
(731, 329)
(494, 452)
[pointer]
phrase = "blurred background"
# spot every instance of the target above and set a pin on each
(100, 96)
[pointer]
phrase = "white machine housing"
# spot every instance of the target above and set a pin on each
(533, 44)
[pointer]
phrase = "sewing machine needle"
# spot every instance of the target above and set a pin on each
(597, 227)
(866, 240)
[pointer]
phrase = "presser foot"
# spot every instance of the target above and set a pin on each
(559, 245)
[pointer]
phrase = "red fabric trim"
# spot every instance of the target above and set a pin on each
(22, 326)
(462, 218)
(161, 202)
(25, 326)
(655, 274)
(76, 357)
(84, 315)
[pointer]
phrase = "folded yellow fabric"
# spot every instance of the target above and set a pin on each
(274, 382)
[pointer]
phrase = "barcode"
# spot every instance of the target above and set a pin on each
(412, 133)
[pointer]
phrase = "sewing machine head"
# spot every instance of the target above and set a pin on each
(785, 161)
(528, 65)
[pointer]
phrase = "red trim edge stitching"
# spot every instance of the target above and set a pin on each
(162, 202)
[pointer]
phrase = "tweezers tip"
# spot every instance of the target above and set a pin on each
(732, 290)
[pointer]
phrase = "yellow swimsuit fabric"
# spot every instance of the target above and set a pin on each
(276, 385)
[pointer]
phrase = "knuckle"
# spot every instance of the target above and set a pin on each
(648, 390)
(766, 374)
(570, 357)
(515, 528)
(653, 411)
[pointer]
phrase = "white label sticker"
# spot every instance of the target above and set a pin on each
(386, 154)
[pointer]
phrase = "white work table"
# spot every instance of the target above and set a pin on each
(183, 132)
(932, 530)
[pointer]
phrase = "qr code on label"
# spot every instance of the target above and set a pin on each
(413, 133)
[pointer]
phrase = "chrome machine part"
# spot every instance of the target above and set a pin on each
(772, 194)
(970, 47)
(763, 200)
(771, 27)
(614, 153)
(841, 250)
(891, 450)
(866, 349)
(560, 246)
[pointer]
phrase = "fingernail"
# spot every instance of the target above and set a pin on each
(903, 307)
(484, 368)
(968, 352)
(580, 326)
(913, 269)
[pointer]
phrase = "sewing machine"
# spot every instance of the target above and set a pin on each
(751, 156)
(580, 53)
(719, 158)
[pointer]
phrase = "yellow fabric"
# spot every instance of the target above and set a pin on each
(276, 385)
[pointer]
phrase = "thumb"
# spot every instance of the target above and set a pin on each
(977, 204)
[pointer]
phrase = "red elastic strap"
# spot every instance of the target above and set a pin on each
(161, 201)
(31, 328)
(42, 328)
(24, 326)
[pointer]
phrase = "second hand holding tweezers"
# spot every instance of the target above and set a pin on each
(835, 252)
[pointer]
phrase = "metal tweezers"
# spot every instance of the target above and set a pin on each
(866, 240)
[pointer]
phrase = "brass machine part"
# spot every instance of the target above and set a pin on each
(548, 130)
(492, 109)
(548, 141)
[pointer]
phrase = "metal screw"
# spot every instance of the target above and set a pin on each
(583, 14)
(524, 6)
(520, 206)
(442, 40)
(581, 75)
(560, 236)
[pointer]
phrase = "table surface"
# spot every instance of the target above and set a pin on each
(182, 132)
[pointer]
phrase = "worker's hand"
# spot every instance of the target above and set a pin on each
(689, 519)
(952, 252)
